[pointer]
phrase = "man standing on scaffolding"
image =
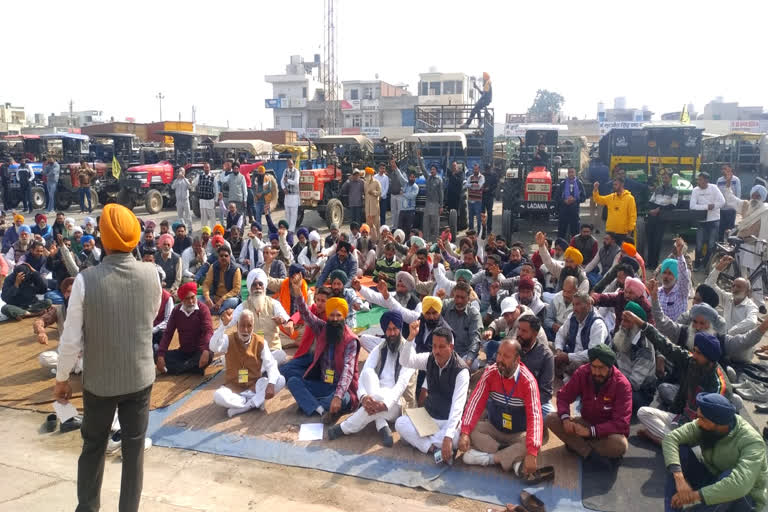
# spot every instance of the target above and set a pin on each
(486, 94)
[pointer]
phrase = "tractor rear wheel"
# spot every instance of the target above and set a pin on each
(334, 213)
(194, 204)
(38, 198)
(300, 216)
(94, 199)
(62, 200)
(507, 224)
(124, 198)
(153, 201)
(453, 223)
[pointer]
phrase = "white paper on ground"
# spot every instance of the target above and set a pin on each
(311, 432)
(64, 411)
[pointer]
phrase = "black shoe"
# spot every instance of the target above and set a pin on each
(385, 435)
(71, 424)
(50, 423)
(762, 310)
(335, 432)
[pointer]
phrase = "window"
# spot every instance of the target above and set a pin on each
(407, 117)
(368, 93)
(353, 94)
(459, 86)
(423, 88)
(357, 121)
(449, 87)
(296, 121)
(303, 92)
(281, 95)
(434, 88)
(369, 120)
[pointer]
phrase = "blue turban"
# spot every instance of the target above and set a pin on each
(273, 236)
(716, 408)
(391, 316)
(86, 238)
(759, 189)
(709, 345)
(671, 265)
(302, 231)
(177, 224)
(561, 244)
(295, 269)
(24, 229)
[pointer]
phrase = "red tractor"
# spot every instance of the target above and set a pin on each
(151, 183)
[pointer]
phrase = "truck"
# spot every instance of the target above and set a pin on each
(746, 153)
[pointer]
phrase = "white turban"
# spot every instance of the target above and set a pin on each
(254, 274)
(314, 236)
(399, 235)
(383, 228)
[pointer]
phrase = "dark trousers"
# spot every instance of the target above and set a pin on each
(654, 235)
(26, 198)
(178, 362)
(297, 366)
(405, 220)
(356, 214)
(383, 211)
(642, 398)
(698, 476)
(85, 194)
(488, 209)
(568, 220)
(133, 413)
(310, 394)
(727, 221)
(706, 233)
(479, 106)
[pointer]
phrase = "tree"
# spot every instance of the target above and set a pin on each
(546, 106)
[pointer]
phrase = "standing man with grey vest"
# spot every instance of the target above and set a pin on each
(396, 183)
(51, 171)
(433, 207)
(113, 329)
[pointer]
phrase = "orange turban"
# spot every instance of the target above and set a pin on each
(369, 170)
(365, 228)
(336, 304)
(629, 249)
(574, 254)
(120, 229)
(218, 228)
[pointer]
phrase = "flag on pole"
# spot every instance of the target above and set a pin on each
(115, 168)
(684, 117)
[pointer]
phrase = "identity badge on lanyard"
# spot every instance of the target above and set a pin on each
(242, 376)
(506, 418)
(329, 375)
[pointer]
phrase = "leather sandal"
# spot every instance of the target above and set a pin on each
(540, 475)
(531, 502)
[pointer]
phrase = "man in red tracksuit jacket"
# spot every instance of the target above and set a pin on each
(606, 408)
(509, 392)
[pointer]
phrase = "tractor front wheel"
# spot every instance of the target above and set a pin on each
(38, 198)
(334, 213)
(153, 201)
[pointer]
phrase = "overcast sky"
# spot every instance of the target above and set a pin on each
(116, 56)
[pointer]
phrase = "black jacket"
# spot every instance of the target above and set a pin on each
(25, 295)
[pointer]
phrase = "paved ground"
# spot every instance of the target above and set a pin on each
(39, 473)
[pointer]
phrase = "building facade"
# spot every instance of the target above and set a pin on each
(12, 119)
(437, 88)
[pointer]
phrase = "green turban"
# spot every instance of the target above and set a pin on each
(463, 274)
(636, 309)
(602, 352)
(338, 274)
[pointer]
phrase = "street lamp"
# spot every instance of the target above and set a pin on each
(160, 97)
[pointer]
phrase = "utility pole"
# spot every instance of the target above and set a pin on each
(71, 114)
(160, 98)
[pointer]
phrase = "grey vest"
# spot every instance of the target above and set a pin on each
(120, 303)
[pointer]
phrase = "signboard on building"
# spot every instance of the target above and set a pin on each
(609, 125)
(750, 126)
(350, 104)
(372, 131)
(514, 130)
(272, 103)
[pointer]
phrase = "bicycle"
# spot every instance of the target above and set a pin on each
(758, 278)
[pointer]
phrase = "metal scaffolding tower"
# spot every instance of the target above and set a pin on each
(330, 72)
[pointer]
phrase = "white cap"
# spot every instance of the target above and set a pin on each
(508, 305)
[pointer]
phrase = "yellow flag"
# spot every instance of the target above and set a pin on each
(684, 117)
(115, 168)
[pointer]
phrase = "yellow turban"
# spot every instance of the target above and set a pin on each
(261, 169)
(574, 254)
(120, 229)
(206, 230)
(369, 170)
(18, 218)
(336, 304)
(431, 302)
